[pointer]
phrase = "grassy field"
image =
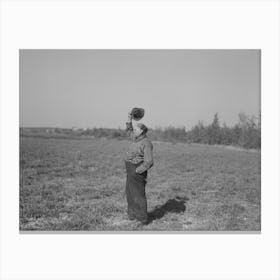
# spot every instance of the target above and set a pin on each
(70, 185)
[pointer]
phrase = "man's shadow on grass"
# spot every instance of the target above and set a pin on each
(175, 205)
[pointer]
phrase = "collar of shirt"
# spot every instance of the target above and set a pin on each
(140, 137)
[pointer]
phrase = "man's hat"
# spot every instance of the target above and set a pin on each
(137, 113)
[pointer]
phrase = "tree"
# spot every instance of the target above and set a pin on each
(214, 131)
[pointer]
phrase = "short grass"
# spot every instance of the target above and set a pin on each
(71, 185)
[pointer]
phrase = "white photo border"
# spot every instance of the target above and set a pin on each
(144, 24)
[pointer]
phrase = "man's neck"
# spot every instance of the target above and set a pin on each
(140, 137)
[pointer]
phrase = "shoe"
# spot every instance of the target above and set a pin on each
(145, 222)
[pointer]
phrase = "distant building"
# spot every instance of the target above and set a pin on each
(50, 130)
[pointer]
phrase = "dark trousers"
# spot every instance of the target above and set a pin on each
(135, 193)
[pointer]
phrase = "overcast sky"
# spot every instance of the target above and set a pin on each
(97, 88)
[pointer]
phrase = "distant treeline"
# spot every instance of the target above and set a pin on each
(246, 133)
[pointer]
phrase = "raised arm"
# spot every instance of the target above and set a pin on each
(129, 127)
(148, 158)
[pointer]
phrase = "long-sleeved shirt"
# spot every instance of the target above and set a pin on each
(140, 150)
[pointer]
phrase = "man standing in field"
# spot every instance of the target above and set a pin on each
(138, 160)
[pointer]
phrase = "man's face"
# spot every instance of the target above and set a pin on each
(137, 130)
